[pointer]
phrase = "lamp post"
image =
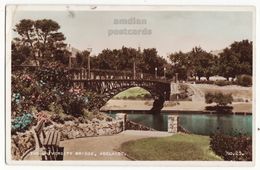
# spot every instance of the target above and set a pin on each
(90, 50)
(164, 73)
(176, 77)
(134, 71)
(155, 72)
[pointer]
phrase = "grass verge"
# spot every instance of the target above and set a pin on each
(176, 147)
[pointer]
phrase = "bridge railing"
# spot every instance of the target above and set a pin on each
(96, 74)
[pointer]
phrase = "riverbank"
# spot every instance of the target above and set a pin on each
(142, 105)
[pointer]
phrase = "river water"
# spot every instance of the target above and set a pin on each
(197, 123)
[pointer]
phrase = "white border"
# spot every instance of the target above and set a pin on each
(156, 163)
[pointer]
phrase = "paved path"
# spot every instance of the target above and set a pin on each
(104, 147)
(101, 147)
(198, 94)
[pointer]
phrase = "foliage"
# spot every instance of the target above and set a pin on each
(123, 59)
(40, 41)
(203, 62)
(21, 123)
(197, 62)
(232, 148)
(233, 61)
(182, 64)
(219, 98)
(223, 83)
(244, 80)
(48, 89)
(236, 60)
(82, 58)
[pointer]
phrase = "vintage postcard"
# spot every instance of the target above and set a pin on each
(130, 85)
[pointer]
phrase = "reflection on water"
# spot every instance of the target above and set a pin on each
(203, 124)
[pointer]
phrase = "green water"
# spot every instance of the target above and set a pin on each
(202, 124)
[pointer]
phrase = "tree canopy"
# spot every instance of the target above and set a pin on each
(232, 62)
(40, 41)
(123, 59)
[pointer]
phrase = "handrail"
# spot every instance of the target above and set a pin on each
(123, 73)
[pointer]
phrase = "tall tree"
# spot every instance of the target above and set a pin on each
(82, 58)
(43, 38)
(244, 51)
(237, 59)
(203, 62)
(228, 64)
(182, 64)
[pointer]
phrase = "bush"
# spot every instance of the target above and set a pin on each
(219, 98)
(147, 96)
(22, 123)
(220, 110)
(204, 82)
(244, 80)
(232, 148)
(223, 83)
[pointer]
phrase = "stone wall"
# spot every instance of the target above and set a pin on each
(71, 130)
(130, 125)
(24, 142)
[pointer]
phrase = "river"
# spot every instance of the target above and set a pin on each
(197, 123)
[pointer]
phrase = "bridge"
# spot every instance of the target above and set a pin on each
(109, 83)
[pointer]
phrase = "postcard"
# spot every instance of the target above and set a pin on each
(130, 85)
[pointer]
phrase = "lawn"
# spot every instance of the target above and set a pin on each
(133, 92)
(176, 147)
(238, 92)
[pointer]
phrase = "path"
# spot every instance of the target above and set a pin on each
(198, 94)
(104, 147)
(101, 147)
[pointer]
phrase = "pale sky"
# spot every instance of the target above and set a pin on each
(171, 31)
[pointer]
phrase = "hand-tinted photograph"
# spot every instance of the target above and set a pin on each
(117, 84)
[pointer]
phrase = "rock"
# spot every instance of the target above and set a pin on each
(70, 123)
(20, 143)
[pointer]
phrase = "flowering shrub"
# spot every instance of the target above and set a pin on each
(49, 89)
(232, 148)
(21, 123)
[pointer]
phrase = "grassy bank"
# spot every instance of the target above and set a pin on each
(133, 93)
(176, 147)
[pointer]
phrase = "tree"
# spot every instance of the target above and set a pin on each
(237, 59)
(82, 58)
(244, 51)
(42, 38)
(182, 64)
(228, 64)
(152, 60)
(203, 62)
(19, 53)
(123, 59)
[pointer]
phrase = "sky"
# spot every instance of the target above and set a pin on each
(167, 31)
